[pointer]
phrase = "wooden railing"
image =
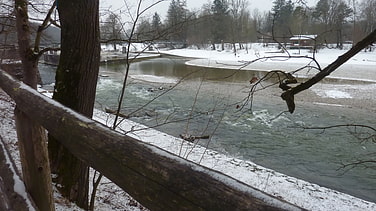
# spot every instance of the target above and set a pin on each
(156, 178)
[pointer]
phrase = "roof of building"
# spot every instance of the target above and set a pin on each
(303, 37)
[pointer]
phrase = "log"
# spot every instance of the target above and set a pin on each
(156, 178)
(192, 138)
(115, 112)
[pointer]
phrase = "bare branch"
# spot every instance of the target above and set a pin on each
(44, 50)
(360, 135)
(43, 26)
(288, 95)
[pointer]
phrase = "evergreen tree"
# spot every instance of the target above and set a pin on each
(300, 23)
(176, 20)
(144, 31)
(341, 12)
(321, 12)
(156, 23)
(282, 12)
(331, 16)
(221, 21)
(200, 30)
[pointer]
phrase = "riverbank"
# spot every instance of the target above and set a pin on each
(305, 194)
(118, 57)
(110, 197)
(236, 90)
(258, 58)
(107, 57)
(301, 193)
(352, 85)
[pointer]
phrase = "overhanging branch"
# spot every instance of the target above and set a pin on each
(288, 95)
(154, 177)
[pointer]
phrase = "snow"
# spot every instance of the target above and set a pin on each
(307, 195)
(19, 186)
(333, 94)
(8, 134)
(154, 79)
(257, 57)
(109, 196)
(303, 37)
(10, 61)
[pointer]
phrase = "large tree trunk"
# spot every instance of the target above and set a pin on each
(156, 178)
(32, 137)
(76, 80)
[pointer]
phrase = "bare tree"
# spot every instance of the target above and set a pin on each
(32, 137)
(368, 21)
(112, 30)
(240, 17)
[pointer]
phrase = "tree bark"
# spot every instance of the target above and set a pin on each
(31, 136)
(157, 179)
(76, 80)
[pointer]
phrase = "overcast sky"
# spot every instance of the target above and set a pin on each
(161, 8)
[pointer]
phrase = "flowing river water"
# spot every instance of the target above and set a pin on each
(208, 102)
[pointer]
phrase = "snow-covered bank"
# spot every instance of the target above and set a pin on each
(360, 67)
(154, 79)
(307, 195)
(304, 194)
(108, 57)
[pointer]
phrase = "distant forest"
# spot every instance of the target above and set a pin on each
(234, 21)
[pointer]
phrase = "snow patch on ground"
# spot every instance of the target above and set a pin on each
(293, 190)
(19, 186)
(299, 192)
(154, 79)
(360, 67)
(332, 93)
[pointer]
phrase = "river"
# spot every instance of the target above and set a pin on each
(204, 101)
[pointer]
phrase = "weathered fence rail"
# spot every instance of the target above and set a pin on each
(157, 179)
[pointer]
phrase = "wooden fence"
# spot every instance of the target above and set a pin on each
(156, 178)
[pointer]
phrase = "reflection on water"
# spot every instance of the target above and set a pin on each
(261, 135)
(175, 68)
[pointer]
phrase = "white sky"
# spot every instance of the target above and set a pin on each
(161, 8)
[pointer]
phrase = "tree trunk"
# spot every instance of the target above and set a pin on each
(31, 136)
(156, 178)
(76, 80)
